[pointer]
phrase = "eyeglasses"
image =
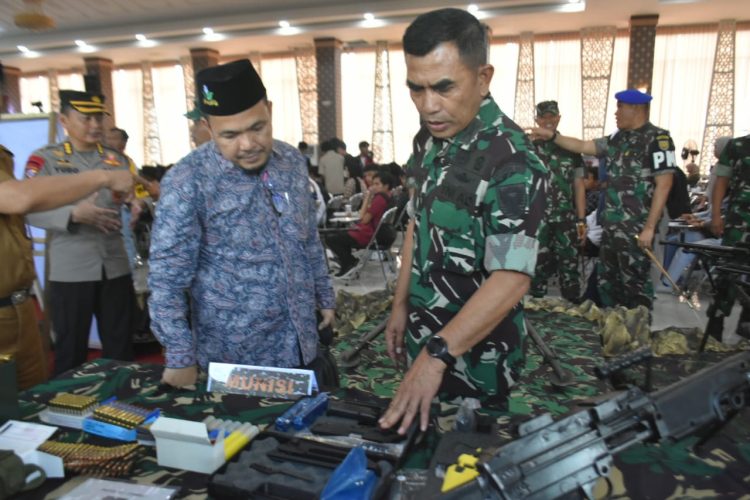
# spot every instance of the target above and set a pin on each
(279, 199)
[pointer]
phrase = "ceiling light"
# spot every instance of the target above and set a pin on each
(284, 24)
(80, 43)
(141, 37)
(208, 31)
(473, 8)
(23, 48)
(369, 16)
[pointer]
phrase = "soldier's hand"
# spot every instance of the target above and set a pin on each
(394, 334)
(415, 394)
(646, 238)
(180, 377)
(541, 133)
(717, 226)
(104, 219)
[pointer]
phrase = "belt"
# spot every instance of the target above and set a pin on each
(15, 298)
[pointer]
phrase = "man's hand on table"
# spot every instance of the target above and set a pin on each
(415, 394)
(180, 377)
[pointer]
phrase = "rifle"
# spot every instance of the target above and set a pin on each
(550, 458)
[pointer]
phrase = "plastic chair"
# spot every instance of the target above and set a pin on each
(381, 241)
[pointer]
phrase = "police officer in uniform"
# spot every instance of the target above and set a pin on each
(19, 334)
(564, 225)
(640, 160)
(89, 271)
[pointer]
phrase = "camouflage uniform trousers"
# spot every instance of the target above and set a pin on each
(557, 255)
(623, 270)
(737, 230)
(487, 371)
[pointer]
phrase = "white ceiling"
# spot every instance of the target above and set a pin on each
(248, 26)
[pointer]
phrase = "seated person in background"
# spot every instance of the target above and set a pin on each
(353, 176)
(376, 201)
(368, 174)
(693, 174)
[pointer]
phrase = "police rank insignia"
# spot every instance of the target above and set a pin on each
(111, 159)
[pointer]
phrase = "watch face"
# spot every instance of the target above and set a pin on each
(436, 346)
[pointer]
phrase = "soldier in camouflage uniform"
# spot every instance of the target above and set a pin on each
(564, 227)
(640, 161)
(732, 173)
(471, 248)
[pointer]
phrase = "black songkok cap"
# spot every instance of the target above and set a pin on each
(229, 89)
(83, 102)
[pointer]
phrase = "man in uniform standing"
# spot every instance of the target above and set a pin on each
(19, 333)
(89, 271)
(471, 248)
(564, 227)
(640, 161)
(732, 174)
(236, 228)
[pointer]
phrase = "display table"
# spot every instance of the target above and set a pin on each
(646, 471)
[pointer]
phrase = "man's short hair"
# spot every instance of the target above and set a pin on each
(364, 144)
(431, 29)
(122, 132)
(385, 178)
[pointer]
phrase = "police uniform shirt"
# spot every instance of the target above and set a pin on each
(79, 252)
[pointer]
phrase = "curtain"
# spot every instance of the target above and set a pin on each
(357, 98)
(681, 83)
(742, 83)
(557, 77)
(280, 80)
(618, 79)
(504, 58)
(170, 104)
(127, 86)
(35, 88)
(405, 115)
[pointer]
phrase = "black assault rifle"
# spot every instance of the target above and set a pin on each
(550, 458)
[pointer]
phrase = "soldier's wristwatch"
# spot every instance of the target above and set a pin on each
(437, 348)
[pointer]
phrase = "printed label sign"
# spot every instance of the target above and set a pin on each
(285, 383)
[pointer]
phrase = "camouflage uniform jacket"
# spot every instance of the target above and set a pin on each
(634, 157)
(479, 202)
(735, 163)
(564, 167)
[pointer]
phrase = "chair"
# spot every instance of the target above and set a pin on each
(355, 201)
(381, 241)
(334, 204)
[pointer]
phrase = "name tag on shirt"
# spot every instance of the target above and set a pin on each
(261, 381)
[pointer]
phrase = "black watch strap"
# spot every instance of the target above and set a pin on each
(437, 348)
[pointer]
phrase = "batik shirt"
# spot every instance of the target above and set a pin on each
(246, 247)
(735, 164)
(479, 202)
(634, 158)
(564, 167)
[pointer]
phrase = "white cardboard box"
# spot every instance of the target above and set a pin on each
(184, 444)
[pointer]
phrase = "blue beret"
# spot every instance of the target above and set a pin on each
(633, 96)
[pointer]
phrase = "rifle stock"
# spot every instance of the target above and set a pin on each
(551, 458)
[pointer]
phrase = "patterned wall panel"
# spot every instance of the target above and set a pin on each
(720, 113)
(54, 90)
(597, 50)
(307, 87)
(11, 90)
(382, 120)
(328, 71)
(203, 58)
(524, 115)
(101, 69)
(641, 58)
(151, 142)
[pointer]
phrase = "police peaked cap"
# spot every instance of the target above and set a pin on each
(545, 107)
(83, 102)
(633, 96)
(229, 89)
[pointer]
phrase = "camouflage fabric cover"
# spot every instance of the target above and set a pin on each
(735, 164)
(573, 332)
(557, 234)
(633, 158)
(477, 209)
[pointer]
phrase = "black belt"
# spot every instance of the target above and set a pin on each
(15, 298)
